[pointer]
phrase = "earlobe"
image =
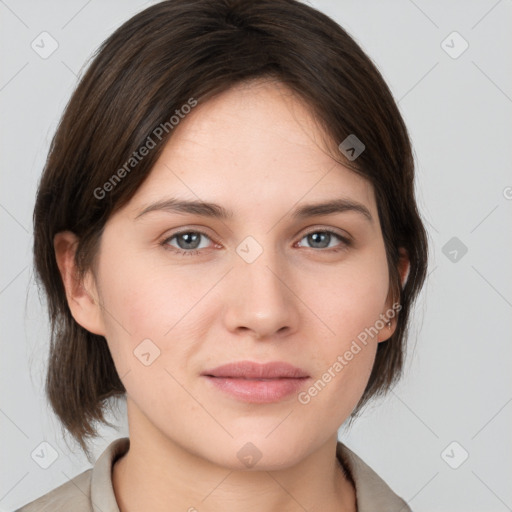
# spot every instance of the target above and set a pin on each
(81, 295)
(387, 331)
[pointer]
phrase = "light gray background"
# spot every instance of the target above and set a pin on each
(457, 384)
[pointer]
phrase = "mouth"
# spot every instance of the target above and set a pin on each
(252, 370)
(252, 382)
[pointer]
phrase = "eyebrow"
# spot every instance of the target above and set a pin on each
(213, 210)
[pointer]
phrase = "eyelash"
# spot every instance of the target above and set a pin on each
(346, 243)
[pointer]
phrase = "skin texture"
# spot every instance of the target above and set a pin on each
(255, 150)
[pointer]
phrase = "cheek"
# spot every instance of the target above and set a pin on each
(350, 297)
(141, 297)
(349, 303)
(150, 302)
(344, 355)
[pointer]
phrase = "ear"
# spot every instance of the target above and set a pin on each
(404, 267)
(82, 296)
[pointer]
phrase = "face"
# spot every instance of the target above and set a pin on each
(186, 290)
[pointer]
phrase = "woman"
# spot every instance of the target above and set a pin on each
(228, 237)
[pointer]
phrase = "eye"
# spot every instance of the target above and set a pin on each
(321, 239)
(188, 242)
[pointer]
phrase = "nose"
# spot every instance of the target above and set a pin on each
(260, 299)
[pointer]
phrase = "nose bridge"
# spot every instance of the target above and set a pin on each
(260, 300)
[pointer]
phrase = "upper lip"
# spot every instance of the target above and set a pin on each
(253, 370)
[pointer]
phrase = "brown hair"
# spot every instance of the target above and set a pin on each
(151, 66)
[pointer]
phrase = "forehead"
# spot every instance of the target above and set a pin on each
(253, 146)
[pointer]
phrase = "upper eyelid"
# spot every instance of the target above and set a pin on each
(339, 232)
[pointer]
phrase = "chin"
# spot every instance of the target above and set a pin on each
(257, 453)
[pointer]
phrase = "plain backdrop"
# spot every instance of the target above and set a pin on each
(441, 438)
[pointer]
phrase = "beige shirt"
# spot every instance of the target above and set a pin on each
(92, 491)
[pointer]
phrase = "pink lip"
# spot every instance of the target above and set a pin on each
(251, 370)
(257, 383)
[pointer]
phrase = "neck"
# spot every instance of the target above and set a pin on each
(160, 475)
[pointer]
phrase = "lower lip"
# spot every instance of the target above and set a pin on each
(258, 391)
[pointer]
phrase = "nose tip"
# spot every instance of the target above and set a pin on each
(260, 302)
